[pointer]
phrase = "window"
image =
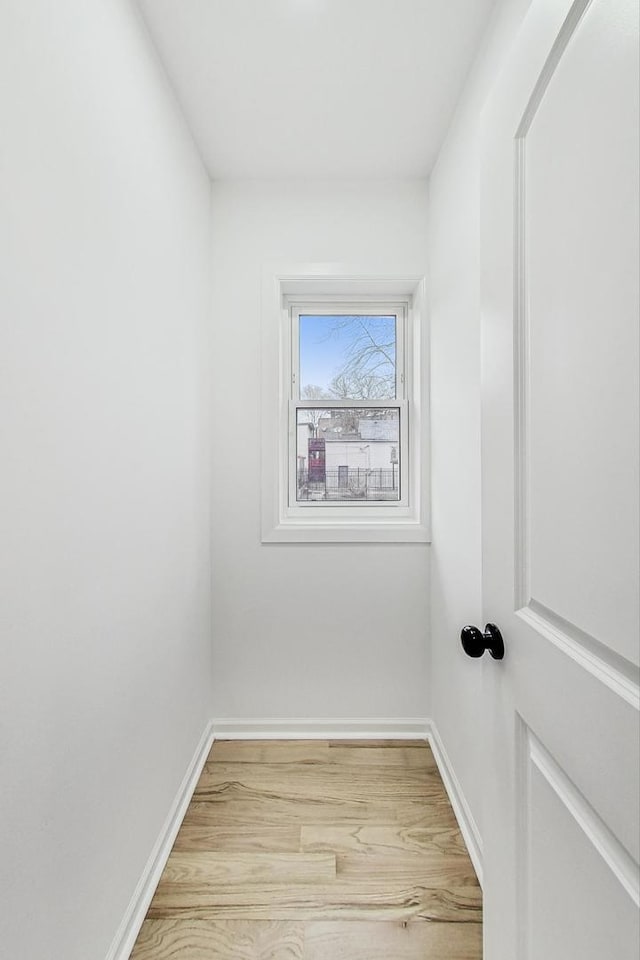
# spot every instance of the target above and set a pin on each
(344, 447)
(348, 413)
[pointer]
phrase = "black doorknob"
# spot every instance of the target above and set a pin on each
(475, 643)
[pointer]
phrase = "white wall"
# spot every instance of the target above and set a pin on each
(104, 539)
(454, 250)
(274, 654)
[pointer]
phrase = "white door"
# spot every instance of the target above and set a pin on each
(561, 486)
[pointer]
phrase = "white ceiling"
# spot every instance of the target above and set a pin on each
(317, 88)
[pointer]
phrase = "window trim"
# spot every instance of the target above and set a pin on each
(344, 304)
(311, 286)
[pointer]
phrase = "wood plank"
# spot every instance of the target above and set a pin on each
(244, 837)
(252, 808)
(435, 871)
(425, 837)
(317, 940)
(392, 941)
(370, 898)
(219, 940)
(226, 869)
(405, 757)
(335, 781)
(376, 744)
(270, 751)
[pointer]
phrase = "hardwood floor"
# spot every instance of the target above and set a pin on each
(316, 851)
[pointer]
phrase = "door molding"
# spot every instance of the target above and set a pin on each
(605, 665)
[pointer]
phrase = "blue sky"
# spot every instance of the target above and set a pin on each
(323, 349)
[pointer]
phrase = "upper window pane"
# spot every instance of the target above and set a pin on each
(351, 357)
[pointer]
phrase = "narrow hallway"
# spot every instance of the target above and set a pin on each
(317, 850)
(319, 351)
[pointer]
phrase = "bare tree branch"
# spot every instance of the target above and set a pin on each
(370, 368)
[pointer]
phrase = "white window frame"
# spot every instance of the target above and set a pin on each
(343, 305)
(287, 292)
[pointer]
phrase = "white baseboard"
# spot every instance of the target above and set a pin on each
(462, 810)
(412, 728)
(134, 916)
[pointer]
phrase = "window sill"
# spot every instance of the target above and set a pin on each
(318, 531)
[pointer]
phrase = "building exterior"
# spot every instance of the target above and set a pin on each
(349, 458)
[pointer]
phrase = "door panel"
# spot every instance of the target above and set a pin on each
(561, 486)
(590, 729)
(580, 279)
(572, 890)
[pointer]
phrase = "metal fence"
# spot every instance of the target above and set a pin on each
(355, 483)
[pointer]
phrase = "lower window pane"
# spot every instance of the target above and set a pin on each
(348, 454)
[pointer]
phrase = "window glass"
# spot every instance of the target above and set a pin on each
(350, 357)
(348, 454)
